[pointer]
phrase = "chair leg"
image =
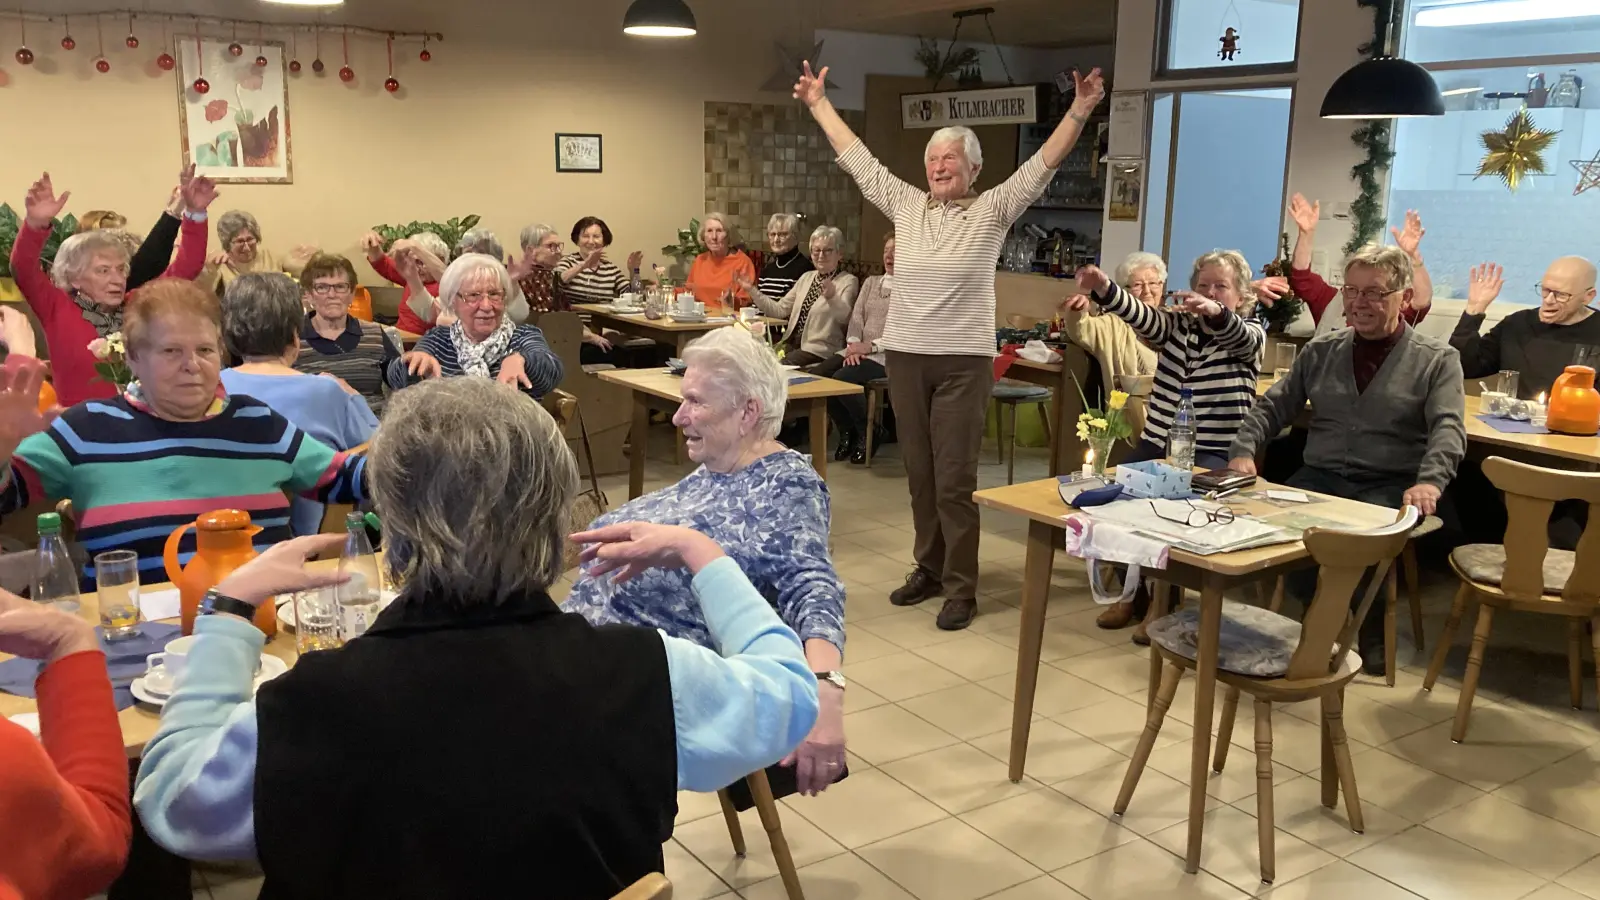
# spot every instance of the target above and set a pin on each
(1408, 560)
(1264, 818)
(1044, 421)
(872, 422)
(999, 433)
(1158, 608)
(1594, 637)
(1330, 769)
(761, 792)
(1575, 661)
(1333, 714)
(1391, 635)
(1469, 679)
(1277, 596)
(1230, 711)
(1446, 637)
(731, 816)
(1011, 463)
(1147, 741)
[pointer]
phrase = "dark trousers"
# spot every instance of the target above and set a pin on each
(940, 405)
(1391, 493)
(849, 414)
(801, 358)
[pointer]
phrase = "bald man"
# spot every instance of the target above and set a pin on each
(1538, 342)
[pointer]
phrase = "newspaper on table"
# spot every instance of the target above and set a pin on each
(1164, 520)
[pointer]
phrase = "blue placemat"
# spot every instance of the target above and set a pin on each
(124, 662)
(1512, 426)
(802, 379)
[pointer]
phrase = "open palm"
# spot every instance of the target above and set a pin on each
(809, 89)
(19, 403)
(1304, 213)
(42, 204)
(1411, 237)
(1090, 90)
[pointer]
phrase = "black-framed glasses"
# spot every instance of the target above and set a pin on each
(1196, 517)
(323, 290)
(1557, 296)
(1370, 295)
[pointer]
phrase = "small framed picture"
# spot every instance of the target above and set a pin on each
(578, 153)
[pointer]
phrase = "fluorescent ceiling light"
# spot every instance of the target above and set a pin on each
(1495, 12)
(306, 2)
(1459, 91)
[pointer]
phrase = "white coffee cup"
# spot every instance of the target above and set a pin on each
(629, 299)
(686, 303)
(699, 308)
(163, 669)
(749, 314)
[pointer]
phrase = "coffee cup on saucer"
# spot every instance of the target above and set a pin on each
(163, 669)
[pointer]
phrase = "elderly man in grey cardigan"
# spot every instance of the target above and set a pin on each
(1387, 405)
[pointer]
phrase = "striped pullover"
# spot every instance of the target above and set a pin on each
(601, 285)
(540, 362)
(361, 356)
(945, 254)
(781, 271)
(133, 478)
(1219, 359)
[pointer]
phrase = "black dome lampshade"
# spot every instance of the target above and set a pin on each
(659, 18)
(1383, 88)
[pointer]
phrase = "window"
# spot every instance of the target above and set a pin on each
(1194, 33)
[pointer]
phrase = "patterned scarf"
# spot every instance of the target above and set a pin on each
(797, 334)
(105, 323)
(475, 359)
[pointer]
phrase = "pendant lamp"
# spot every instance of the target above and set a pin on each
(1385, 87)
(659, 18)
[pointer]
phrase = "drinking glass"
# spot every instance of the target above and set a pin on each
(1508, 383)
(1283, 361)
(316, 620)
(116, 577)
(1586, 355)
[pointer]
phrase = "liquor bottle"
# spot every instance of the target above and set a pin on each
(360, 598)
(55, 578)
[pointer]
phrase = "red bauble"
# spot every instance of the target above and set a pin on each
(235, 49)
(424, 55)
(347, 74)
(67, 43)
(24, 56)
(317, 66)
(261, 61)
(166, 63)
(132, 42)
(391, 84)
(202, 86)
(102, 65)
(294, 65)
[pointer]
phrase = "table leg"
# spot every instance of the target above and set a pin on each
(638, 445)
(1205, 690)
(817, 411)
(1035, 597)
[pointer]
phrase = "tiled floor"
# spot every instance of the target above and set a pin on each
(928, 812)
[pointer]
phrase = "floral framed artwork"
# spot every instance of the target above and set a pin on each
(237, 130)
(578, 153)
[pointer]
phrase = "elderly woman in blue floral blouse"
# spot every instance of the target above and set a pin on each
(768, 509)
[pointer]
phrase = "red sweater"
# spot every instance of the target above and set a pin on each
(1309, 286)
(65, 819)
(408, 319)
(66, 332)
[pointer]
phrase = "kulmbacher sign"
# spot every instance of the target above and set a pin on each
(1016, 105)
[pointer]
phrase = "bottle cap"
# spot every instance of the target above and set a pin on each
(373, 523)
(354, 520)
(49, 523)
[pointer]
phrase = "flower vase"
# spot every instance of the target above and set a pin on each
(1100, 446)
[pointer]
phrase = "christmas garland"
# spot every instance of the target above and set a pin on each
(1366, 212)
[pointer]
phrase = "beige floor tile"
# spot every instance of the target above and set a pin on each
(911, 628)
(967, 711)
(958, 778)
(1232, 850)
(861, 645)
(1297, 808)
(1118, 723)
(902, 676)
(690, 878)
(1428, 863)
(1054, 693)
(1238, 778)
(1564, 790)
(1367, 721)
(1554, 892)
(1143, 870)
(1407, 695)
(1541, 737)
(972, 656)
(1483, 764)
(1159, 801)
(845, 877)
(1059, 643)
(693, 805)
(868, 600)
(892, 542)
(1041, 888)
(1114, 669)
(1049, 829)
(948, 860)
(1055, 752)
(886, 733)
(858, 698)
(1518, 836)
(1340, 879)
(708, 840)
(871, 567)
(865, 808)
(1585, 879)
(1406, 789)
(993, 616)
(1083, 620)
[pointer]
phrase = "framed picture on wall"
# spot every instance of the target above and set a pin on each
(578, 153)
(1127, 182)
(236, 131)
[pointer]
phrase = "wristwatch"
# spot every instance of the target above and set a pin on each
(216, 602)
(834, 678)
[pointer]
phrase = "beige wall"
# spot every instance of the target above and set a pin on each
(472, 131)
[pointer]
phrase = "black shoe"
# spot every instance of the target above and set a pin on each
(858, 454)
(847, 446)
(919, 586)
(957, 614)
(1372, 659)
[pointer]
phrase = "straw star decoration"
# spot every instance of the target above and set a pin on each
(1516, 152)
(1588, 174)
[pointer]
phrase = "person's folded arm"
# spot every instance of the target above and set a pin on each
(195, 790)
(1273, 411)
(154, 255)
(1444, 411)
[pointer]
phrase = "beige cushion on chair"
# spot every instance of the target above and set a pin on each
(1486, 564)
(1256, 642)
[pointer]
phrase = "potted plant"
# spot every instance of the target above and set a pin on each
(10, 224)
(685, 250)
(450, 231)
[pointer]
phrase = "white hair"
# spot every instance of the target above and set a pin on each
(744, 369)
(534, 235)
(432, 243)
(77, 254)
(480, 240)
(1239, 271)
(787, 220)
(464, 269)
(727, 227)
(1137, 260)
(827, 234)
(968, 138)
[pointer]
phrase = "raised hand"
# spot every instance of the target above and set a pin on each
(810, 89)
(523, 267)
(421, 364)
(1411, 237)
(372, 246)
(594, 259)
(635, 260)
(1204, 307)
(199, 192)
(220, 258)
(1091, 280)
(1483, 287)
(281, 569)
(829, 289)
(42, 204)
(744, 283)
(36, 631)
(20, 383)
(1075, 303)
(630, 548)
(1304, 213)
(1270, 289)
(1091, 89)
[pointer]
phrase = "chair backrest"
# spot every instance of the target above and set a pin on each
(1531, 493)
(654, 886)
(1344, 557)
(385, 303)
(563, 331)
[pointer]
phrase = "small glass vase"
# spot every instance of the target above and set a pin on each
(1100, 446)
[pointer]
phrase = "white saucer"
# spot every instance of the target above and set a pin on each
(271, 667)
(680, 317)
(626, 310)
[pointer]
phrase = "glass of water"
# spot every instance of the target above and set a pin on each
(116, 577)
(1283, 361)
(1508, 383)
(316, 620)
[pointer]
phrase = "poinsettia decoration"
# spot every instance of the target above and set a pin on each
(1516, 152)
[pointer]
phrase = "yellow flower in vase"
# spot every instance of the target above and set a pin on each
(1119, 399)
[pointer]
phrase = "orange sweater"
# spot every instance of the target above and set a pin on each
(65, 820)
(710, 278)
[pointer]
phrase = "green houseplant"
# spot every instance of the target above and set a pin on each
(688, 245)
(10, 223)
(450, 231)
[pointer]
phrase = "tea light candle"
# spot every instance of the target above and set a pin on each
(1088, 462)
(1539, 414)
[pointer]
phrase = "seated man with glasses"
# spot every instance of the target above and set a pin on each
(1537, 343)
(1387, 408)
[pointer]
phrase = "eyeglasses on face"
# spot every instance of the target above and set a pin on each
(1552, 294)
(1139, 287)
(325, 290)
(1370, 295)
(1196, 517)
(244, 240)
(476, 298)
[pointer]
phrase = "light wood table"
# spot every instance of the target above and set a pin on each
(660, 389)
(663, 330)
(407, 339)
(1041, 504)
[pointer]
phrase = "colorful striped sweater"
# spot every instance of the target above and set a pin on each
(133, 478)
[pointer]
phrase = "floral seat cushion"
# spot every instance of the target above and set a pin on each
(1255, 642)
(1486, 564)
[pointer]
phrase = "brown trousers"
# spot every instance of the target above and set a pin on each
(940, 403)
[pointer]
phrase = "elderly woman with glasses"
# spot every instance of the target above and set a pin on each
(715, 275)
(81, 301)
(335, 343)
(819, 305)
(784, 263)
(151, 256)
(240, 236)
(588, 275)
(765, 505)
(1110, 340)
(481, 340)
(537, 721)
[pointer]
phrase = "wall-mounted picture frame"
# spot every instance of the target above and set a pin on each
(1125, 197)
(578, 153)
(237, 132)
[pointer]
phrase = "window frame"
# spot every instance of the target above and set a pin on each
(1162, 72)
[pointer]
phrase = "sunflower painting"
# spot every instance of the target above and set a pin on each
(238, 130)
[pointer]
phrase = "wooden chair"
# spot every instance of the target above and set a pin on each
(877, 394)
(767, 808)
(1009, 395)
(654, 886)
(1525, 575)
(1275, 659)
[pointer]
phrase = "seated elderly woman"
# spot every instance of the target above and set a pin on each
(333, 342)
(239, 234)
(431, 248)
(819, 305)
(784, 263)
(174, 445)
(572, 740)
(482, 240)
(714, 275)
(151, 257)
(861, 361)
(547, 291)
(482, 341)
(82, 298)
(261, 324)
(589, 276)
(768, 509)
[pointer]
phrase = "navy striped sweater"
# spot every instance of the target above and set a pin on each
(540, 362)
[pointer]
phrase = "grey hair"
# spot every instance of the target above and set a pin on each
(1391, 262)
(787, 220)
(534, 235)
(828, 235)
(968, 138)
(463, 269)
(77, 253)
(733, 236)
(480, 240)
(1137, 260)
(130, 241)
(744, 369)
(261, 314)
(1238, 269)
(475, 484)
(234, 221)
(432, 243)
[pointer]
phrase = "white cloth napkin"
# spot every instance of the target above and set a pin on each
(1106, 542)
(1036, 351)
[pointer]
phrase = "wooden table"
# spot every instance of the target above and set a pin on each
(660, 389)
(663, 330)
(1041, 504)
(407, 339)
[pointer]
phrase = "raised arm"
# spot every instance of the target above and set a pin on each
(781, 307)
(880, 186)
(1306, 284)
(1410, 240)
(1480, 356)
(1243, 338)
(34, 466)
(154, 255)
(42, 206)
(1089, 91)
(1153, 325)
(811, 90)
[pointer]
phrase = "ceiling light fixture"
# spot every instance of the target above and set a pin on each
(306, 2)
(659, 18)
(1496, 12)
(1385, 87)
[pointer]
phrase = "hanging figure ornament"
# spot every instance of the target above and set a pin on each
(790, 67)
(1230, 32)
(1230, 44)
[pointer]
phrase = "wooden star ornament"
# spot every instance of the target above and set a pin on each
(1516, 152)
(1588, 174)
(790, 63)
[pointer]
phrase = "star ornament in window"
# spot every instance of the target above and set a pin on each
(1588, 174)
(790, 63)
(1516, 152)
